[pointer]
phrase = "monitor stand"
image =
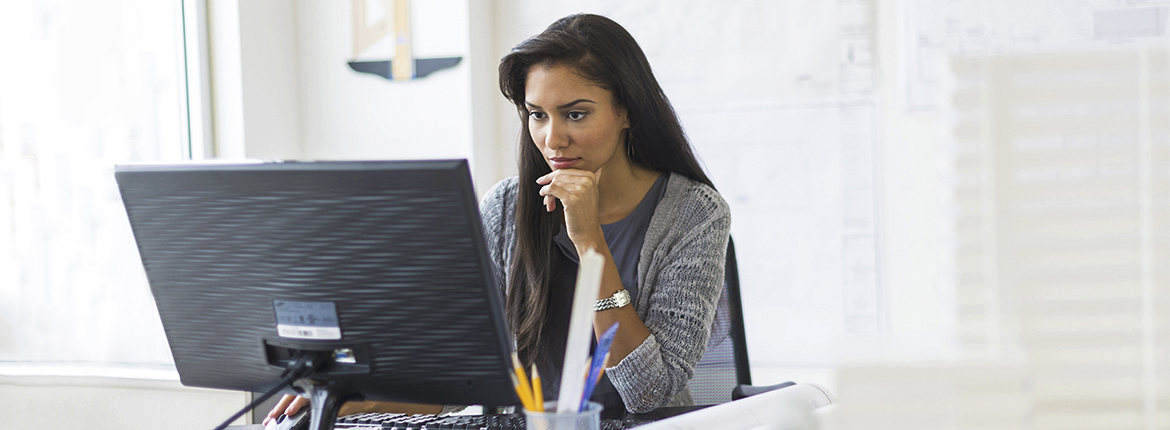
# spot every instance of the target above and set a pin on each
(325, 399)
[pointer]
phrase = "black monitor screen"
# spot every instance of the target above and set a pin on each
(383, 263)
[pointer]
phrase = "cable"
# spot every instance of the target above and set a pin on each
(305, 365)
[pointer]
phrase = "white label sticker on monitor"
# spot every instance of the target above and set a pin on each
(307, 332)
(306, 320)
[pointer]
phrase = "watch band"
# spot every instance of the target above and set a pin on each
(617, 300)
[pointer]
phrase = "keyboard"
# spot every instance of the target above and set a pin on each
(372, 421)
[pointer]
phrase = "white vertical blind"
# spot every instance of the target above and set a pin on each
(1062, 205)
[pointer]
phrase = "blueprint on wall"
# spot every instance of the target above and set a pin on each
(802, 202)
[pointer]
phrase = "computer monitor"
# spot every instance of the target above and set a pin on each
(380, 264)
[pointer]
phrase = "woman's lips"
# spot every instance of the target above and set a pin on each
(563, 162)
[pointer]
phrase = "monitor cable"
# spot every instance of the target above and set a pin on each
(304, 366)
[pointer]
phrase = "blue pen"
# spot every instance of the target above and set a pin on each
(599, 356)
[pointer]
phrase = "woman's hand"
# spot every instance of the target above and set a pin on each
(577, 191)
(288, 405)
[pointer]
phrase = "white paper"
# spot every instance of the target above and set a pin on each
(787, 408)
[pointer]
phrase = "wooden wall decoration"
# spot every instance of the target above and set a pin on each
(395, 20)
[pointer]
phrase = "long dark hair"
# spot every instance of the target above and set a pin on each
(602, 52)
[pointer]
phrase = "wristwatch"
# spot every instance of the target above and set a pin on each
(617, 300)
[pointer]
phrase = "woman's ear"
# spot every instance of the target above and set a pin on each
(620, 112)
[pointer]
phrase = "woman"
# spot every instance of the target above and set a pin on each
(604, 165)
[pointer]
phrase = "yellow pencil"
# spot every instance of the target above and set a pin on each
(537, 390)
(519, 392)
(522, 388)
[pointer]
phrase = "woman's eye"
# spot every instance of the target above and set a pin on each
(576, 115)
(536, 115)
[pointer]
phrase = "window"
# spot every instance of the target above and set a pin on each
(85, 85)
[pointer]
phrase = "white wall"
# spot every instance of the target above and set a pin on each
(298, 98)
(111, 403)
(271, 92)
(349, 115)
(495, 128)
(286, 64)
(920, 312)
(226, 69)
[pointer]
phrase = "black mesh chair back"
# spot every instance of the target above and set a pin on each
(725, 364)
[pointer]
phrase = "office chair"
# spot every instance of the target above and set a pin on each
(725, 364)
(723, 374)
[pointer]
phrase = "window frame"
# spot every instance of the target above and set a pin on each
(196, 73)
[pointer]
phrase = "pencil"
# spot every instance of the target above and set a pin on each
(519, 393)
(523, 389)
(602, 372)
(537, 390)
(591, 385)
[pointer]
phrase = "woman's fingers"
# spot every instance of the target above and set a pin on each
(296, 405)
(288, 405)
(280, 407)
(552, 192)
(550, 199)
(564, 185)
(578, 193)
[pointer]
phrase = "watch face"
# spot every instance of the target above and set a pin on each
(622, 298)
(617, 300)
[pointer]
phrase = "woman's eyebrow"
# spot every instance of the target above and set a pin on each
(561, 107)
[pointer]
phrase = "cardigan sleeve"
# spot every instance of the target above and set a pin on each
(682, 306)
(498, 227)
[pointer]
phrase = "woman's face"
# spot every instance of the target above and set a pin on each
(573, 122)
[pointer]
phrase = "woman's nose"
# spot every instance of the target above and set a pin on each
(555, 138)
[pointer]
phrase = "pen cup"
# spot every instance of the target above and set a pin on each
(588, 419)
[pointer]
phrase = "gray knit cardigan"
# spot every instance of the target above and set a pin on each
(680, 278)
